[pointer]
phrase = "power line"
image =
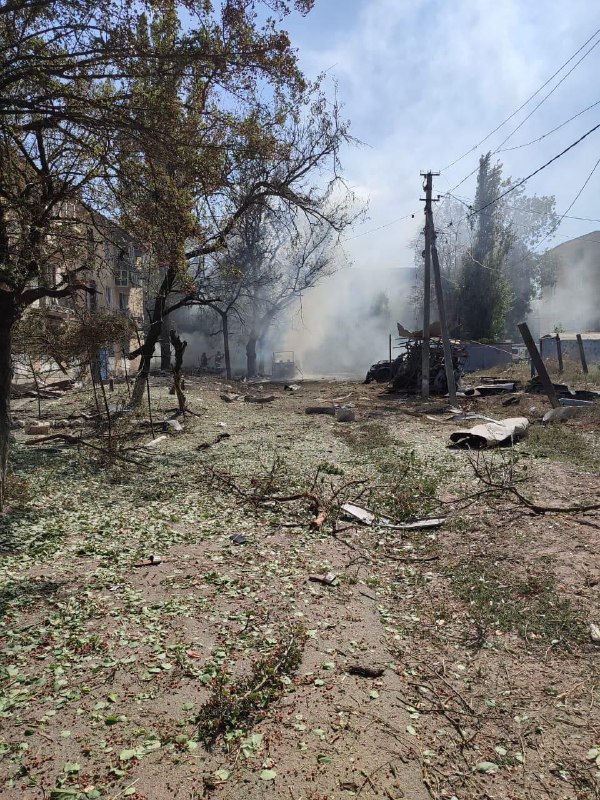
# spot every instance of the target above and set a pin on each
(466, 204)
(558, 127)
(521, 107)
(381, 227)
(577, 196)
(551, 92)
(535, 172)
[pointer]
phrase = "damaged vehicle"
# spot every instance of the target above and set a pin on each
(404, 372)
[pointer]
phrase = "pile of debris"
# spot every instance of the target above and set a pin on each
(404, 373)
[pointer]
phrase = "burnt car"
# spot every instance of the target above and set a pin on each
(404, 372)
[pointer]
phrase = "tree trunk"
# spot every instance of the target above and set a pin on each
(179, 347)
(165, 347)
(251, 357)
(7, 317)
(225, 320)
(146, 351)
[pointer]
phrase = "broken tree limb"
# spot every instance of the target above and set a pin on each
(493, 487)
(69, 439)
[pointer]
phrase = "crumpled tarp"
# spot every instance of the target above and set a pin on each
(492, 434)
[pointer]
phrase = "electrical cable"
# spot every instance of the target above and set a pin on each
(535, 172)
(551, 92)
(577, 196)
(521, 107)
(373, 230)
(558, 127)
(464, 202)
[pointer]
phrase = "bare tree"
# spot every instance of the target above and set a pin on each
(271, 262)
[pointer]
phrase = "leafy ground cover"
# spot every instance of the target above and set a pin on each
(146, 655)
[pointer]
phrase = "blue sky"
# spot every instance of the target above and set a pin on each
(424, 81)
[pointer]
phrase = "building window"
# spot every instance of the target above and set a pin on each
(108, 296)
(122, 269)
(123, 302)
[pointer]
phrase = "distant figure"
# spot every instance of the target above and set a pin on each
(203, 361)
(218, 359)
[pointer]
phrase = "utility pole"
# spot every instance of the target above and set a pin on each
(448, 361)
(428, 186)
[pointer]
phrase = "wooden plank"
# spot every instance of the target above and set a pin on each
(559, 353)
(584, 365)
(539, 364)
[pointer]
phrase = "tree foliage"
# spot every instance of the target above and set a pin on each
(484, 289)
(105, 100)
(492, 262)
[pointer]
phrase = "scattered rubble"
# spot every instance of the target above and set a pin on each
(252, 398)
(365, 671)
(155, 442)
(172, 425)
(330, 410)
(329, 579)
(230, 397)
(560, 414)
(37, 429)
(219, 438)
(345, 414)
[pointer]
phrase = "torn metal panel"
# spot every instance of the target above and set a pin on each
(369, 518)
(492, 434)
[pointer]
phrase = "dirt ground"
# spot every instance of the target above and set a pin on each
(452, 662)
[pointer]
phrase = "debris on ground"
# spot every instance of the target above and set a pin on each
(365, 671)
(369, 518)
(230, 397)
(474, 647)
(345, 414)
(560, 414)
(156, 441)
(151, 561)
(37, 429)
(239, 538)
(492, 434)
(216, 440)
(172, 425)
(253, 398)
(291, 387)
(330, 410)
(329, 579)
(576, 402)
(361, 514)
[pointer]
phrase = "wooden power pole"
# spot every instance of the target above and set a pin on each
(431, 259)
(426, 285)
(448, 360)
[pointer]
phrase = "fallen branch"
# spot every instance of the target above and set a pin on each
(68, 439)
(508, 487)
